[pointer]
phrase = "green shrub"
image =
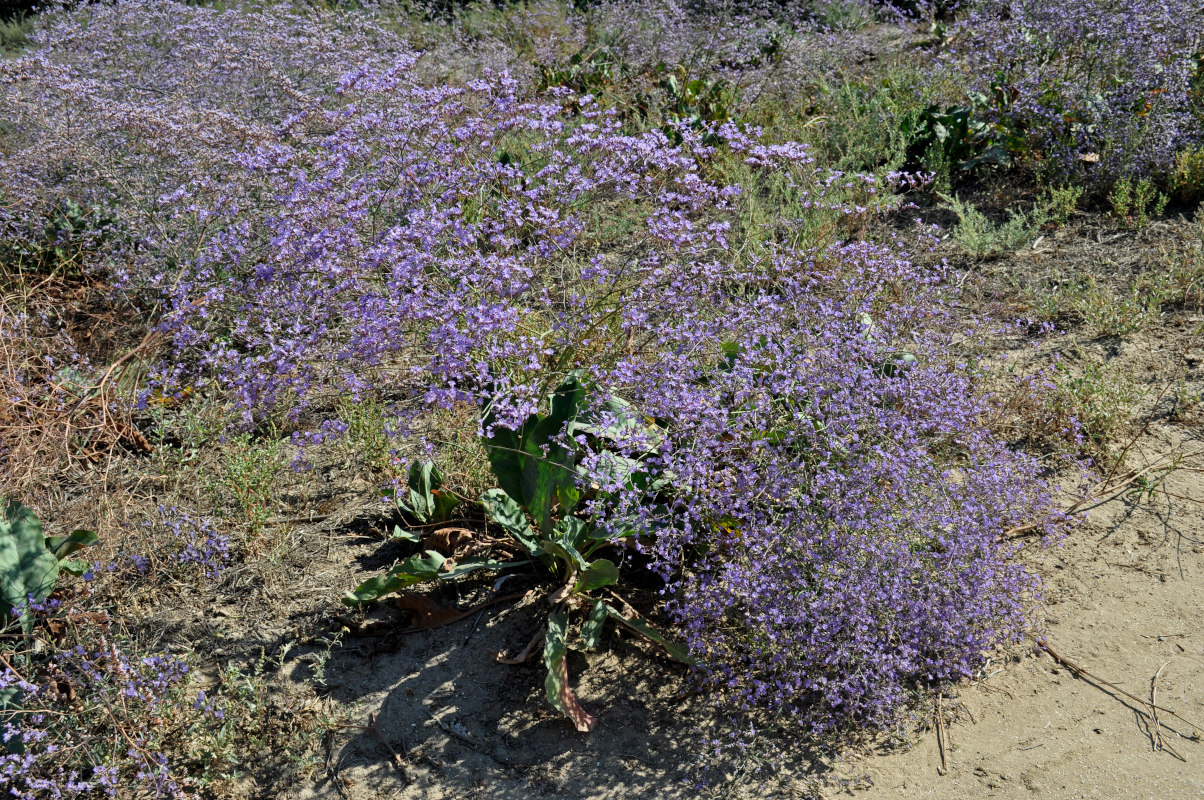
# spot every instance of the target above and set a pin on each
(981, 238)
(1058, 203)
(1135, 201)
(1187, 176)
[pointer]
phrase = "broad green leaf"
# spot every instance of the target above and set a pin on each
(444, 503)
(620, 469)
(567, 400)
(503, 510)
(11, 711)
(425, 501)
(572, 531)
(74, 566)
(613, 530)
(473, 564)
(600, 573)
(27, 568)
(545, 472)
(568, 555)
(414, 569)
(568, 496)
(591, 629)
(63, 546)
(556, 685)
(405, 534)
(506, 459)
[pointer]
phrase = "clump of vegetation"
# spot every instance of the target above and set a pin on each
(1135, 201)
(981, 238)
(581, 279)
(1098, 399)
(1187, 176)
(1089, 91)
(440, 284)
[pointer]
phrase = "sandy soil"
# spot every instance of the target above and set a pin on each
(1124, 604)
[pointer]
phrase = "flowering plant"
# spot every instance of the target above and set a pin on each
(815, 486)
(1099, 89)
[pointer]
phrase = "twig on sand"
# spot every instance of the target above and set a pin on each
(398, 760)
(1110, 488)
(1159, 744)
(1151, 706)
(943, 769)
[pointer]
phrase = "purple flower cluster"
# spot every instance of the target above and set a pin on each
(200, 544)
(85, 721)
(833, 538)
(1101, 89)
(825, 507)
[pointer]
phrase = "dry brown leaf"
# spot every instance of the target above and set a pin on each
(448, 540)
(425, 613)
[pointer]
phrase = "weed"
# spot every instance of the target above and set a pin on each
(1134, 201)
(30, 563)
(369, 434)
(251, 710)
(843, 15)
(1100, 399)
(1107, 312)
(1059, 203)
(982, 239)
(14, 34)
(247, 479)
(1184, 401)
(857, 124)
(1187, 175)
(953, 137)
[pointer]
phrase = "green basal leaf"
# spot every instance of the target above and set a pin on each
(444, 503)
(591, 629)
(572, 531)
(27, 568)
(405, 535)
(548, 470)
(675, 650)
(473, 564)
(569, 556)
(505, 459)
(424, 499)
(11, 711)
(568, 496)
(507, 513)
(63, 546)
(601, 573)
(74, 566)
(612, 534)
(567, 400)
(556, 685)
(414, 569)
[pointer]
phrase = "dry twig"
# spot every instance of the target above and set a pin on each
(1151, 705)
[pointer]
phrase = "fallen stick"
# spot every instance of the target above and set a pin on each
(1147, 704)
(943, 769)
(1157, 737)
(398, 761)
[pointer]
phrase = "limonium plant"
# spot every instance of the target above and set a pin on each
(1100, 89)
(820, 496)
